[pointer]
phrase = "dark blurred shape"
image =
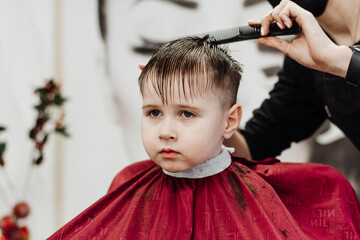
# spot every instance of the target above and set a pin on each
(249, 3)
(271, 71)
(189, 4)
(102, 18)
(147, 46)
(266, 49)
(183, 3)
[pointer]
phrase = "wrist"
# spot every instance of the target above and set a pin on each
(341, 61)
(353, 72)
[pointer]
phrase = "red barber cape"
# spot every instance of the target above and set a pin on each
(248, 200)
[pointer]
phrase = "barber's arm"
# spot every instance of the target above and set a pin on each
(312, 48)
(238, 142)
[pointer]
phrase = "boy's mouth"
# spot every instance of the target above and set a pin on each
(168, 153)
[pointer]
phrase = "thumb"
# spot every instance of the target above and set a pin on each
(276, 43)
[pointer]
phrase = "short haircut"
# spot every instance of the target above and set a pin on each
(198, 63)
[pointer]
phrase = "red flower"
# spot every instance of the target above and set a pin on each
(39, 145)
(24, 233)
(7, 224)
(2, 237)
(21, 210)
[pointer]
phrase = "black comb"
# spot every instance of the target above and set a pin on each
(250, 32)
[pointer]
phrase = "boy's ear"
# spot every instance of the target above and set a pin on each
(233, 120)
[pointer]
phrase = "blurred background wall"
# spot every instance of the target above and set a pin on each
(98, 69)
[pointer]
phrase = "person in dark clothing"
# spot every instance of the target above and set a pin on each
(320, 78)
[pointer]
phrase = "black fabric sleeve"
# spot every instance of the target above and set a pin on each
(289, 115)
(353, 72)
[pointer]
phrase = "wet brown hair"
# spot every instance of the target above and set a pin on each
(193, 62)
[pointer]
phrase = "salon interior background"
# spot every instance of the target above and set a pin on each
(61, 38)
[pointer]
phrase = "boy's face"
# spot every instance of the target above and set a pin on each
(184, 132)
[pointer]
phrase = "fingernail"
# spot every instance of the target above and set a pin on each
(287, 24)
(262, 31)
(279, 25)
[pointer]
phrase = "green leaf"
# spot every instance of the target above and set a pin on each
(2, 148)
(62, 130)
(59, 100)
(45, 138)
(52, 82)
(43, 94)
(40, 107)
(32, 133)
(2, 128)
(39, 160)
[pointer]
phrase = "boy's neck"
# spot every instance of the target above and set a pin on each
(208, 168)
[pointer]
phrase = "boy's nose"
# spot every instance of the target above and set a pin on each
(167, 130)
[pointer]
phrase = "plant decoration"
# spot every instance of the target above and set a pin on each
(50, 103)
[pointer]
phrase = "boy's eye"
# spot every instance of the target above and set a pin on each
(154, 113)
(187, 114)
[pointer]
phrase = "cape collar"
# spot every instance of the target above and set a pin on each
(208, 168)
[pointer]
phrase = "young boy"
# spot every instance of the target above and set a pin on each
(192, 188)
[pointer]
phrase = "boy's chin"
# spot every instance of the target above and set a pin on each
(174, 169)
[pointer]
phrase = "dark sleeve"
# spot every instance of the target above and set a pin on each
(353, 72)
(292, 113)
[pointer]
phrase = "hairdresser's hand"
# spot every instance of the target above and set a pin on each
(312, 48)
(239, 143)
